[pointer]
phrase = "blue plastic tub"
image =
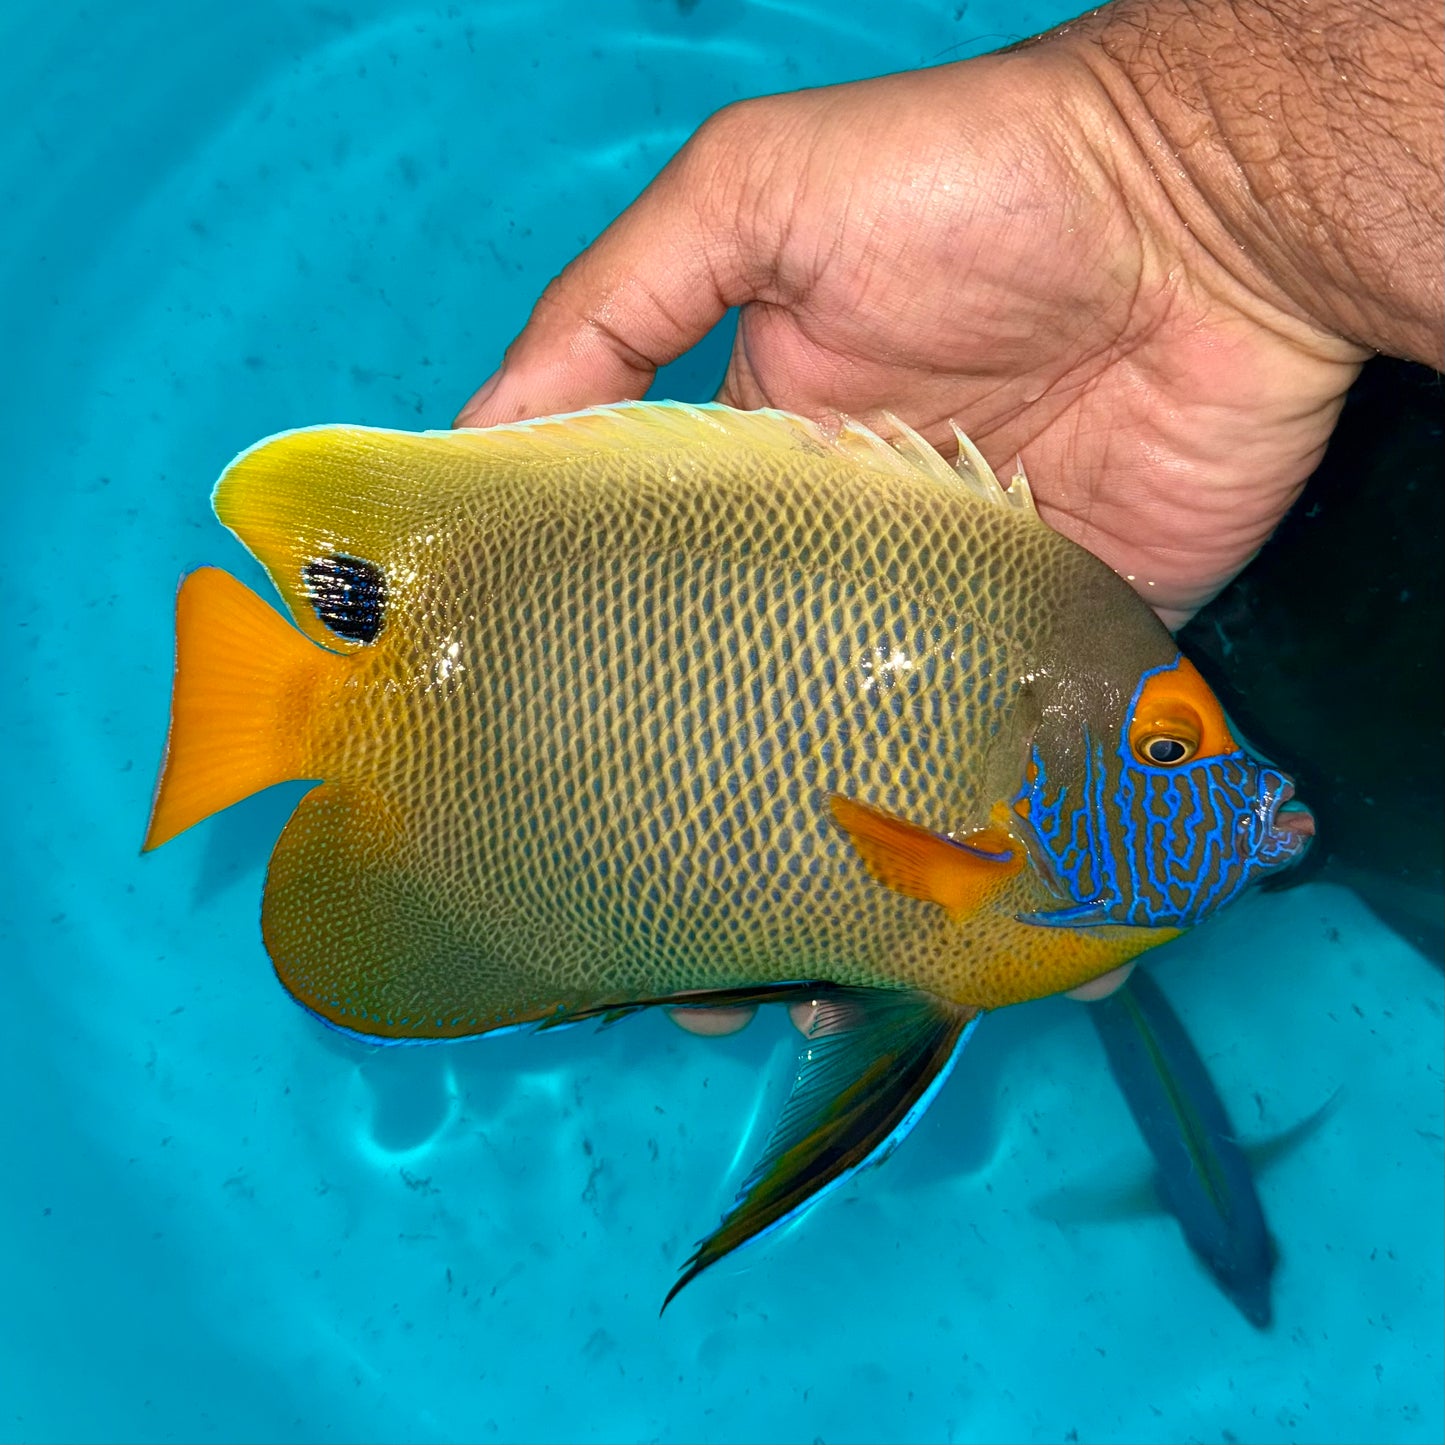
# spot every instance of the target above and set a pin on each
(220, 1223)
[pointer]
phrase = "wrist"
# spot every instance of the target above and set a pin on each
(1299, 141)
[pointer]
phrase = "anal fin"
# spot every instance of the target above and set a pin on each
(872, 1064)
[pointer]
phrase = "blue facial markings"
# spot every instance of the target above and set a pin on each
(1189, 837)
(1153, 846)
(1072, 832)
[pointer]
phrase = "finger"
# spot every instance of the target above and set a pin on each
(740, 387)
(802, 1015)
(713, 1022)
(1104, 985)
(651, 286)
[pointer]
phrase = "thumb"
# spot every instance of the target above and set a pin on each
(651, 286)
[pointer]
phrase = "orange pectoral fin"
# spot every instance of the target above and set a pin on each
(958, 874)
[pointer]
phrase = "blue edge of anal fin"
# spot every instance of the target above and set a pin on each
(873, 1063)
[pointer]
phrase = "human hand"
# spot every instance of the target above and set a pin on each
(986, 242)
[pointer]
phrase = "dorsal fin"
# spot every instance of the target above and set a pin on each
(358, 493)
(984, 482)
(655, 425)
(906, 451)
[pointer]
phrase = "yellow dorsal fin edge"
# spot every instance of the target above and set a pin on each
(629, 425)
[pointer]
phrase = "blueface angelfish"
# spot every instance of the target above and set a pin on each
(658, 704)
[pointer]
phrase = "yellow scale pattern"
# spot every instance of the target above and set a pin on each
(589, 757)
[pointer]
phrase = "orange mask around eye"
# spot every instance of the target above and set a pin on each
(1177, 705)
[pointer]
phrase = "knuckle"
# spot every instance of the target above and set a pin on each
(725, 173)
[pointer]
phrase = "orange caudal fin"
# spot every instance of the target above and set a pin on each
(241, 702)
(959, 874)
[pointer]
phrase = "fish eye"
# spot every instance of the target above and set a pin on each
(1166, 750)
(348, 595)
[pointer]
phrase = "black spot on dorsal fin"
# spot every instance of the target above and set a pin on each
(348, 594)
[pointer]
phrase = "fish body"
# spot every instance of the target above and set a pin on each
(659, 704)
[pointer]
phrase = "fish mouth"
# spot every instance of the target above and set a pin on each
(1289, 823)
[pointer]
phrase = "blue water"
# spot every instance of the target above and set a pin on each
(219, 1223)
